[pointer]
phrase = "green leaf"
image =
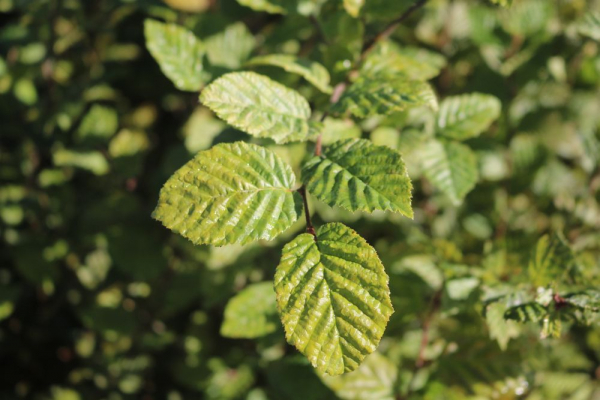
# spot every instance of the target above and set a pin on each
(503, 3)
(93, 161)
(528, 312)
(358, 176)
(375, 379)
(98, 124)
(251, 313)
(270, 6)
(230, 48)
(467, 116)
(232, 193)
(312, 71)
(333, 297)
(303, 7)
(501, 330)
(414, 62)
(451, 167)
(259, 106)
(353, 7)
(590, 25)
(381, 94)
(178, 53)
(551, 260)
(589, 299)
(338, 129)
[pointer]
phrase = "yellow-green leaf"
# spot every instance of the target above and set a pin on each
(230, 48)
(232, 193)
(259, 106)
(358, 176)
(178, 52)
(353, 7)
(312, 71)
(251, 313)
(466, 116)
(333, 297)
(451, 167)
(382, 93)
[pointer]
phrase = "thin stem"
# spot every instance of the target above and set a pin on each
(390, 28)
(309, 226)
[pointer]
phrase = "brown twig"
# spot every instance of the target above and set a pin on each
(309, 226)
(390, 28)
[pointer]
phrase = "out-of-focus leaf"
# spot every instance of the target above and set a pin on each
(461, 288)
(92, 161)
(382, 93)
(232, 193)
(451, 167)
(590, 25)
(353, 6)
(259, 106)
(100, 123)
(501, 330)
(312, 71)
(192, 6)
(251, 313)
(228, 383)
(375, 379)
(230, 48)
(128, 143)
(359, 176)
(333, 297)
(467, 116)
(338, 129)
(200, 130)
(293, 378)
(178, 53)
(416, 63)
(552, 259)
(528, 312)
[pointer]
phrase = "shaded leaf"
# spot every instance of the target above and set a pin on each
(528, 312)
(333, 297)
(358, 176)
(451, 167)
(178, 53)
(380, 94)
(467, 116)
(312, 71)
(232, 193)
(259, 106)
(251, 313)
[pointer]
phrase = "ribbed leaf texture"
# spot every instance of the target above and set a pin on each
(251, 313)
(467, 116)
(381, 94)
(551, 260)
(375, 379)
(333, 297)
(414, 62)
(178, 53)
(451, 167)
(528, 312)
(312, 71)
(232, 193)
(259, 106)
(357, 175)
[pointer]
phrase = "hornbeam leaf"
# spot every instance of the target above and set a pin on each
(312, 71)
(230, 48)
(232, 193)
(251, 313)
(500, 329)
(259, 106)
(467, 116)
(551, 260)
(528, 312)
(333, 297)
(382, 93)
(178, 52)
(375, 379)
(451, 167)
(357, 175)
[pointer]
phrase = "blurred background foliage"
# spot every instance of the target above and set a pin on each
(98, 301)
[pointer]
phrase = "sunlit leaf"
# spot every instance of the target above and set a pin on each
(501, 330)
(232, 193)
(552, 259)
(259, 106)
(381, 94)
(312, 71)
(590, 25)
(230, 48)
(353, 6)
(467, 116)
(358, 176)
(451, 167)
(333, 297)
